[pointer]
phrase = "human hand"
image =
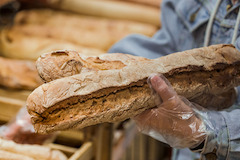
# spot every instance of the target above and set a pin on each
(174, 121)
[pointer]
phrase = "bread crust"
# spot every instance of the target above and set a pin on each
(111, 28)
(31, 151)
(216, 101)
(60, 64)
(114, 95)
(19, 74)
(4, 155)
(20, 45)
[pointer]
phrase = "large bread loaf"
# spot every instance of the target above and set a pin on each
(15, 43)
(10, 149)
(4, 155)
(19, 74)
(60, 64)
(112, 28)
(38, 31)
(117, 94)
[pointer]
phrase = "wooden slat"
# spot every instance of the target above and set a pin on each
(65, 149)
(152, 152)
(122, 148)
(9, 108)
(137, 147)
(104, 141)
(143, 148)
(10, 102)
(84, 153)
(72, 135)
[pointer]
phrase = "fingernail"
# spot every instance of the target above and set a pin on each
(156, 80)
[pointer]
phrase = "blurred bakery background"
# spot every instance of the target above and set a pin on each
(29, 28)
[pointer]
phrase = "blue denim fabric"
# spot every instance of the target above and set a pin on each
(183, 27)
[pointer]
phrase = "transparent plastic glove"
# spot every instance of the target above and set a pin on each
(21, 130)
(174, 120)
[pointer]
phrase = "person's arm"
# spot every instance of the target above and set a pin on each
(162, 43)
(224, 139)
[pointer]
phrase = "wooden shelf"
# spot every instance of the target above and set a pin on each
(10, 102)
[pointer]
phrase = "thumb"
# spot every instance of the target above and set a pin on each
(164, 90)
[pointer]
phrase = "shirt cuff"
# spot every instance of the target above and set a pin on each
(216, 144)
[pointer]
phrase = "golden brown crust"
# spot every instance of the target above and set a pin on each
(60, 64)
(217, 102)
(16, 44)
(19, 74)
(114, 29)
(209, 70)
(37, 31)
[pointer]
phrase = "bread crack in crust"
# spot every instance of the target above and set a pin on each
(112, 106)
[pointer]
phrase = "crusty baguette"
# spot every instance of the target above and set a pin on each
(80, 23)
(114, 95)
(93, 32)
(86, 38)
(111, 9)
(37, 31)
(4, 155)
(33, 151)
(19, 74)
(60, 64)
(15, 44)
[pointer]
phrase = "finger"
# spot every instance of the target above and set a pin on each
(163, 90)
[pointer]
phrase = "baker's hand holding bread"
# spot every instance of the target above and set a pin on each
(174, 120)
